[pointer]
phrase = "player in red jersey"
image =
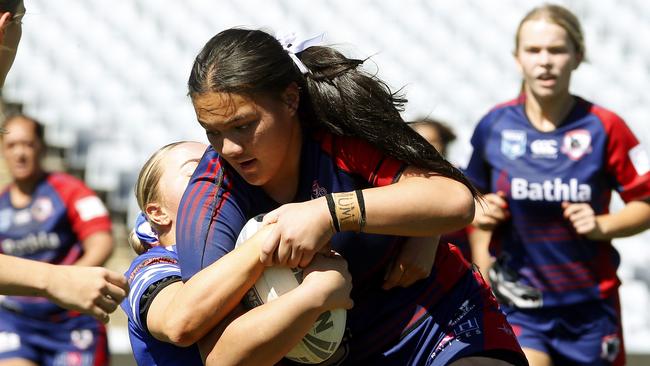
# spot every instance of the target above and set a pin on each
(551, 160)
(93, 290)
(52, 218)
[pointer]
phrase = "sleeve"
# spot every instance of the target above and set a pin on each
(86, 212)
(478, 169)
(210, 217)
(359, 157)
(147, 276)
(626, 159)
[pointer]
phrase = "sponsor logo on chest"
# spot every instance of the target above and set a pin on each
(31, 243)
(545, 149)
(513, 143)
(576, 144)
(555, 190)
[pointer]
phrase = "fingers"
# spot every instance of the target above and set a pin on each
(98, 313)
(271, 217)
(306, 258)
(295, 258)
(117, 286)
(116, 293)
(394, 275)
(268, 247)
(284, 252)
(106, 303)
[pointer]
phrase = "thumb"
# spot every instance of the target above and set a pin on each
(271, 217)
(269, 246)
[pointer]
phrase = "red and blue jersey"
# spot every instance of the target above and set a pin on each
(586, 157)
(148, 271)
(62, 213)
(217, 204)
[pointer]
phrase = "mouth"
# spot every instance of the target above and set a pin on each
(246, 164)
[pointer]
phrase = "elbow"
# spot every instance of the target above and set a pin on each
(462, 208)
(180, 333)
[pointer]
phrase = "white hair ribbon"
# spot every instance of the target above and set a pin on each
(292, 46)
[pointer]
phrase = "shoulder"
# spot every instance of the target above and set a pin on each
(64, 181)
(155, 259)
(609, 119)
(69, 188)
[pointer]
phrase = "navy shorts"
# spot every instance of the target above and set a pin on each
(467, 322)
(69, 341)
(581, 334)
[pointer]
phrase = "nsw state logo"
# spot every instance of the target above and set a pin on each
(513, 143)
(576, 144)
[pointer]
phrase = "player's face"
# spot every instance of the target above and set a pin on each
(546, 57)
(22, 149)
(178, 165)
(256, 135)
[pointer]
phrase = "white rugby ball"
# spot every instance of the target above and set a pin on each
(327, 332)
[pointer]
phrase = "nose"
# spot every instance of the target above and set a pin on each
(231, 148)
(544, 58)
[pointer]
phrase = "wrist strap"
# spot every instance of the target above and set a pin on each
(332, 207)
(362, 209)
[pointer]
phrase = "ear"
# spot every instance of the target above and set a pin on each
(579, 58)
(157, 214)
(291, 97)
(518, 63)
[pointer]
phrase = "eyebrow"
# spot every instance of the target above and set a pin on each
(195, 160)
(234, 119)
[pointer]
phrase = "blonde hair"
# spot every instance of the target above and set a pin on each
(147, 189)
(561, 16)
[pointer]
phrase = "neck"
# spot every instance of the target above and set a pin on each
(283, 187)
(167, 234)
(21, 190)
(546, 114)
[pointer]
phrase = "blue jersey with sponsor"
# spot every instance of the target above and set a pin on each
(62, 213)
(586, 157)
(218, 202)
(155, 265)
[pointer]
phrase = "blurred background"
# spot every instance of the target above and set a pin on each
(108, 80)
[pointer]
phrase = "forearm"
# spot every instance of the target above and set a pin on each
(479, 241)
(97, 249)
(418, 206)
(630, 220)
(265, 334)
(204, 300)
(23, 277)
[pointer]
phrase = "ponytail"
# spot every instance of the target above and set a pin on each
(346, 100)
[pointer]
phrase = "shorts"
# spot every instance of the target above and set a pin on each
(581, 334)
(466, 323)
(74, 341)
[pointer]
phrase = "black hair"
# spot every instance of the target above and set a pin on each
(9, 6)
(336, 94)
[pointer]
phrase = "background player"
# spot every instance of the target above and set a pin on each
(53, 218)
(166, 316)
(282, 118)
(550, 160)
(78, 288)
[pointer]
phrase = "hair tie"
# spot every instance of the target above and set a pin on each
(144, 231)
(293, 46)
